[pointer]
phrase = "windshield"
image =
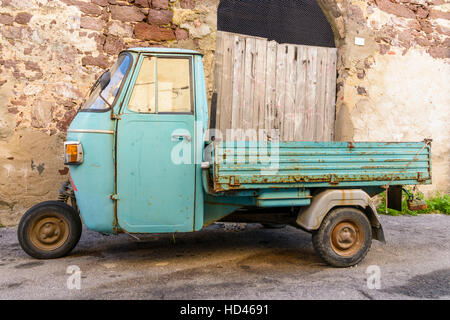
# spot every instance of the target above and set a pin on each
(118, 71)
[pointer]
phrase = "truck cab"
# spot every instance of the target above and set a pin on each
(140, 148)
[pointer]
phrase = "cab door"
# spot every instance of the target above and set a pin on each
(155, 148)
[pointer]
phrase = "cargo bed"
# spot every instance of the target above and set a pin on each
(256, 165)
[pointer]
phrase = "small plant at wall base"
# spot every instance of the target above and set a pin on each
(437, 204)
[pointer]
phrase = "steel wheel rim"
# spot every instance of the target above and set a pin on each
(49, 232)
(347, 238)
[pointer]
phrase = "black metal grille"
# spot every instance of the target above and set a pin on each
(285, 21)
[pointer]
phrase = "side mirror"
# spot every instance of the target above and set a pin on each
(105, 79)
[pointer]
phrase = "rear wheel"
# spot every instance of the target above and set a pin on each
(344, 237)
(49, 230)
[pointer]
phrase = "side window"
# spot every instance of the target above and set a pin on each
(174, 85)
(168, 92)
(143, 97)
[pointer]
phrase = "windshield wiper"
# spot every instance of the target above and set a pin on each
(94, 86)
(104, 81)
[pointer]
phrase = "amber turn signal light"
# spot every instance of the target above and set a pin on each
(73, 152)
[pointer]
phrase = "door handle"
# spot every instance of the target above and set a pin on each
(180, 137)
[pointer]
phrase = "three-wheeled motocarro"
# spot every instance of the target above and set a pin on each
(140, 163)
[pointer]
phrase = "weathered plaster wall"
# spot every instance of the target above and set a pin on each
(395, 87)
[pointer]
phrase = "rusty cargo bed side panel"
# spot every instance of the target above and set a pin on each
(255, 165)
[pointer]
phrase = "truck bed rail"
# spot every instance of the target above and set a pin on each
(257, 165)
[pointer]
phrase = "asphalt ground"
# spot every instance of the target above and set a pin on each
(223, 262)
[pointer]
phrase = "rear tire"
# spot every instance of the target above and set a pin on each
(344, 237)
(49, 230)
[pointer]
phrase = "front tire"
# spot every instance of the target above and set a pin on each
(344, 237)
(49, 230)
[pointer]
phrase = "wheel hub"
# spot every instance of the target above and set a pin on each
(49, 233)
(346, 238)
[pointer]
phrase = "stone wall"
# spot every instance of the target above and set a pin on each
(50, 54)
(395, 87)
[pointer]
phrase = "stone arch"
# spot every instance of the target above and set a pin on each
(335, 16)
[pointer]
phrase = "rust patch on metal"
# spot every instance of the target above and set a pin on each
(351, 146)
(234, 181)
(415, 205)
(333, 179)
(64, 171)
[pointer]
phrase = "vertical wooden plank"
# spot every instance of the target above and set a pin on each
(330, 94)
(280, 94)
(225, 103)
(289, 101)
(260, 85)
(319, 122)
(270, 95)
(300, 93)
(310, 97)
(247, 112)
(238, 85)
(326, 127)
(218, 74)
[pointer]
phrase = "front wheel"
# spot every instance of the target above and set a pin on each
(49, 230)
(344, 237)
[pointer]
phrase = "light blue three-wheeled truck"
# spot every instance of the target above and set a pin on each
(140, 163)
